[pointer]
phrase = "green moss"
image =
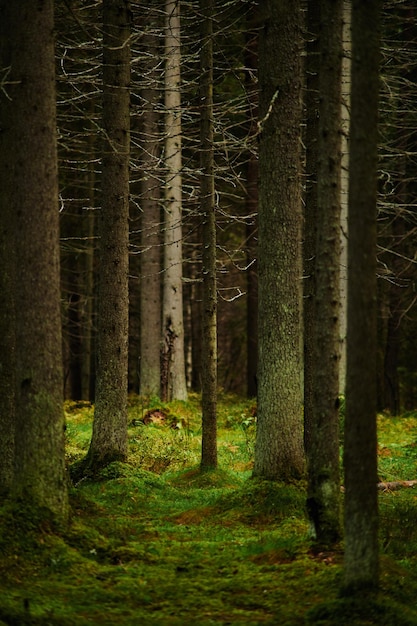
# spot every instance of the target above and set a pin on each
(357, 610)
(173, 546)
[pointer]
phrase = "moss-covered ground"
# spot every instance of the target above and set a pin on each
(155, 542)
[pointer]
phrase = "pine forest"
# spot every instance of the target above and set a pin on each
(208, 376)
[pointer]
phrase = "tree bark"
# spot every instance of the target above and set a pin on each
(173, 383)
(109, 439)
(28, 150)
(7, 272)
(344, 190)
(323, 500)
(310, 212)
(209, 305)
(279, 442)
(150, 261)
(360, 461)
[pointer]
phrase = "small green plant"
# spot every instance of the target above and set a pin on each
(398, 523)
(158, 449)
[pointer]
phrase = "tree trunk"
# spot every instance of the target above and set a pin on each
(7, 273)
(391, 378)
(360, 463)
(150, 261)
(109, 439)
(7, 340)
(30, 166)
(344, 188)
(209, 306)
(87, 386)
(279, 442)
(195, 290)
(173, 383)
(323, 500)
(310, 212)
(252, 174)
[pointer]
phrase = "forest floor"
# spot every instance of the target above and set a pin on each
(155, 542)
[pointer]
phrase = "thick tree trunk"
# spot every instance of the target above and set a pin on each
(29, 162)
(109, 439)
(279, 442)
(360, 463)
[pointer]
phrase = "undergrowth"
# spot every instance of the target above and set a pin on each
(156, 542)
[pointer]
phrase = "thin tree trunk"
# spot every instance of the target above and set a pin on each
(395, 310)
(323, 500)
(150, 262)
(209, 308)
(310, 212)
(87, 388)
(344, 186)
(195, 288)
(360, 462)
(173, 383)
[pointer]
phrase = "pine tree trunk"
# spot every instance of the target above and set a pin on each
(150, 261)
(173, 383)
(360, 463)
(7, 281)
(312, 103)
(29, 132)
(344, 190)
(323, 459)
(7, 329)
(279, 451)
(109, 439)
(209, 307)
(87, 386)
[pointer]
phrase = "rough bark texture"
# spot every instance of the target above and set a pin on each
(29, 134)
(310, 211)
(344, 187)
(279, 442)
(109, 440)
(7, 273)
(209, 317)
(173, 381)
(150, 261)
(360, 464)
(323, 501)
(7, 344)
